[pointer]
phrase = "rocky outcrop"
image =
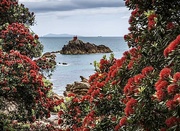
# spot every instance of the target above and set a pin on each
(78, 88)
(77, 46)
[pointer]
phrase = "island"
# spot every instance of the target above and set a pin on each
(77, 46)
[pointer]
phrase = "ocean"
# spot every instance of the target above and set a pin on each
(78, 65)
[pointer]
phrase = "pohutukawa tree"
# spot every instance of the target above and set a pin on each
(141, 90)
(21, 78)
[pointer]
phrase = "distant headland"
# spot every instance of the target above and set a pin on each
(59, 35)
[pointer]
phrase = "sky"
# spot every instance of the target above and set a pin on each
(79, 17)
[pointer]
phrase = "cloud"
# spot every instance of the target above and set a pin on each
(44, 6)
(89, 12)
(80, 17)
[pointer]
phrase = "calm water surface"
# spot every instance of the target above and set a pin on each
(78, 65)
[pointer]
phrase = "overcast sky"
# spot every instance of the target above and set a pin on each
(79, 17)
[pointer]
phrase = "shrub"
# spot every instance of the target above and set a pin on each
(21, 81)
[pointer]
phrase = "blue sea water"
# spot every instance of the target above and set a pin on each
(78, 65)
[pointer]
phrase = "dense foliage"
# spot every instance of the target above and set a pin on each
(141, 90)
(23, 84)
(21, 81)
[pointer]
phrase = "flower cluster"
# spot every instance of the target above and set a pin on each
(18, 37)
(6, 5)
(172, 46)
(20, 78)
(168, 91)
(11, 12)
(152, 18)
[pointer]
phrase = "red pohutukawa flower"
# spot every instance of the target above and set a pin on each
(152, 21)
(171, 104)
(162, 85)
(138, 78)
(172, 89)
(176, 77)
(123, 121)
(135, 12)
(147, 70)
(177, 98)
(172, 46)
(172, 121)
(129, 109)
(165, 73)
(160, 95)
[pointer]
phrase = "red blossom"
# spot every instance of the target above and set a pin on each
(117, 127)
(176, 77)
(151, 21)
(48, 115)
(172, 88)
(171, 104)
(60, 121)
(135, 12)
(123, 121)
(172, 46)
(100, 84)
(147, 70)
(127, 88)
(177, 98)
(95, 93)
(138, 78)
(166, 52)
(86, 97)
(128, 110)
(76, 100)
(129, 106)
(60, 113)
(114, 82)
(86, 129)
(130, 65)
(113, 74)
(161, 85)
(71, 95)
(160, 95)
(165, 73)
(125, 37)
(171, 121)
(113, 118)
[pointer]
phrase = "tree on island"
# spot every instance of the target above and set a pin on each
(22, 80)
(141, 90)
